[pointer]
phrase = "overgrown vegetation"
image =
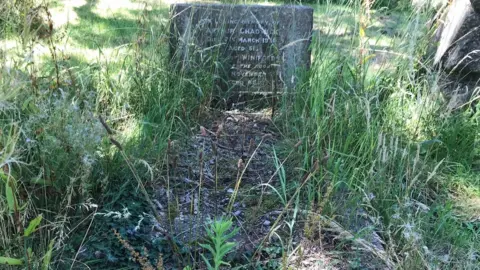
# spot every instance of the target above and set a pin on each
(372, 167)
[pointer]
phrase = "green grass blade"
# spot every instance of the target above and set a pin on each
(48, 257)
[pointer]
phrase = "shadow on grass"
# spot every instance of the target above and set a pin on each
(94, 31)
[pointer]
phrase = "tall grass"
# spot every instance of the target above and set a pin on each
(57, 159)
(391, 147)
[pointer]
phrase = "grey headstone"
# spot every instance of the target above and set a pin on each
(476, 5)
(249, 48)
(458, 52)
(459, 48)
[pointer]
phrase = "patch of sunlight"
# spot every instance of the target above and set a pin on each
(335, 21)
(100, 28)
(169, 2)
(40, 50)
(266, 3)
(331, 10)
(75, 3)
(467, 204)
(92, 55)
(130, 129)
(7, 45)
(436, 4)
(406, 109)
(61, 18)
(381, 61)
(116, 54)
(381, 41)
(466, 195)
(121, 13)
(413, 122)
(340, 30)
(332, 28)
(9, 50)
(105, 7)
(12, 48)
(66, 13)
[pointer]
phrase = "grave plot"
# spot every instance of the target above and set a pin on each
(252, 51)
(227, 169)
(221, 171)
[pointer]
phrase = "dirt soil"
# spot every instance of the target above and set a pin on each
(235, 148)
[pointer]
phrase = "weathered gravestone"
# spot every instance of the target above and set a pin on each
(458, 51)
(250, 49)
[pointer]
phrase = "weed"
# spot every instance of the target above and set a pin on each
(139, 258)
(219, 232)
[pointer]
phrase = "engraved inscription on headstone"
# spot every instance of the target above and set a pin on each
(250, 48)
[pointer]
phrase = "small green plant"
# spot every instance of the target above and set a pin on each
(29, 256)
(219, 232)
